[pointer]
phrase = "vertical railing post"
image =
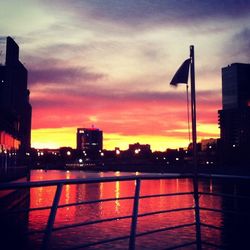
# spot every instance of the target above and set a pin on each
(51, 219)
(135, 215)
(197, 212)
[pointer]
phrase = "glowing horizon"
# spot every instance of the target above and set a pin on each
(66, 137)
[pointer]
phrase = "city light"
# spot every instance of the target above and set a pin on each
(137, 151)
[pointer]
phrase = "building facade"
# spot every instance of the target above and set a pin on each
(15, 110)
(140, 149)
(89, 141)
(234, 118)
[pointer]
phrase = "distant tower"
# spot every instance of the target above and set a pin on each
(89, 140)
(234, 118)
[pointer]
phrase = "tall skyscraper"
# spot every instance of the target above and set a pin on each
(234, 118)
(15, 109)
(89, 140)
(236, 86)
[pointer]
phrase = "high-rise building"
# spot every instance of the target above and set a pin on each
(89, 140)
(236, 86)
(234, 118)
(15, 109)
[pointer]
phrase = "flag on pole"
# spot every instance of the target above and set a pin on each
(181, 75)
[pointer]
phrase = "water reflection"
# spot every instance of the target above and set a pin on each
(117, 196)
(89, 212)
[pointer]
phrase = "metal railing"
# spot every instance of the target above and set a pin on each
(228, 212)
(134, 216)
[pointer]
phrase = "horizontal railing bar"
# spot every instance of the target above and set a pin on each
(222, 176)
(35, 232)
(33, 184)
(99, 242)
(165, 229)
(25, 210)
(163, 195)
(122, 198)
(225, 195)
(166, 211)
(216, 210)
(115, 218)
(182, 245)
(224, 211)
(164, 176)
(106, 220)
(213, 245)
(211, 226)
(126, 237)
(93, 201)
(91, 222)
(66, 205)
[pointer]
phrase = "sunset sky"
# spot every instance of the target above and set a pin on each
(108, 63)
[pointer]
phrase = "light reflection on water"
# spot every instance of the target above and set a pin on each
(92, 233)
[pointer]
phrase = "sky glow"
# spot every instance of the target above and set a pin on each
(109, 63)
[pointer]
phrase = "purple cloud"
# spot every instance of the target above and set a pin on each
(61, 75)
(146, 12)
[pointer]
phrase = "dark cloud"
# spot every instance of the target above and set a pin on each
(44, 103)
(143, 12)
(2, 39)
(51, 70)
(243, 39)
(237, 50)
(61, 75)
(106, 97)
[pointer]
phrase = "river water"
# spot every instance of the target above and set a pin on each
(43, 196)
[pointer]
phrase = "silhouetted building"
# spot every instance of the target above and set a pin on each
(15, 109)
(89, 140)
(208, 144)
(234, 118)
(140, 149)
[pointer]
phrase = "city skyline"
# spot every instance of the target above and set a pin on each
(110, 64)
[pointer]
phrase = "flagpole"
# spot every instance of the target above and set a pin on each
(194, 139)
